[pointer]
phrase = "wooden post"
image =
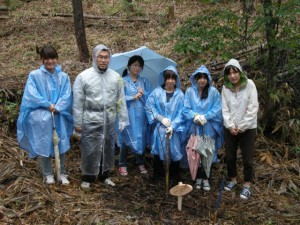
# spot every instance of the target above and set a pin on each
(171, 13)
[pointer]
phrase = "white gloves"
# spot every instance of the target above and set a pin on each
(166, 122)
(200, 119)
(169, 131)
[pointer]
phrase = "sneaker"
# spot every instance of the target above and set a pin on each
(123, 171)
(50, 179)
(206, 185)
(85, 185)
(198, 184)
(229, 186)
(109, 182)
(64, 179)
(245, 193)
(143, 169)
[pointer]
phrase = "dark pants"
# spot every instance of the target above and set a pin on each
(92, 178)
(201, 173)
(159, 169)
(246, 142)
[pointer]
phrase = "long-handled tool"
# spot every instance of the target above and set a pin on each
(55, 140)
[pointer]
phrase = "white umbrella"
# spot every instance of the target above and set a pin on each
(154, 63)
(55, 140)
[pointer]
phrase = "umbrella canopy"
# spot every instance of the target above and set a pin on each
(192, 155)
(154, 63)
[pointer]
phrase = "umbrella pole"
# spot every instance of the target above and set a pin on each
(55, 140)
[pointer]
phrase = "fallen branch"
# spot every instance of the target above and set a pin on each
(100, 17)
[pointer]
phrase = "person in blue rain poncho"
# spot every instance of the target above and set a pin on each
(98, 101)
(203, 115)
(134, 136)
(47, 90)
(164, 107)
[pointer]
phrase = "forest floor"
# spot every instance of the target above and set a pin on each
(136, 199)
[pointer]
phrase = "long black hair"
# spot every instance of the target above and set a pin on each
(133, 59)
(204, 93)
(167, 75)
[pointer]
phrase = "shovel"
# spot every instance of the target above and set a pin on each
(55, 140)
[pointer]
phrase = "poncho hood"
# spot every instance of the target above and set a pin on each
(161, 76)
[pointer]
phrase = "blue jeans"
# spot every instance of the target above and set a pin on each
(123, 157)
(46, 164)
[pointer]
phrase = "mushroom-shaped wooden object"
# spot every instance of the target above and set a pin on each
(180, 190)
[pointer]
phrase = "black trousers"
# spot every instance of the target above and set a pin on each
(246, 142)
(159, 170)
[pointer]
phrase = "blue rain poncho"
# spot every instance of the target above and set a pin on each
(210, 107)
(157, 105)
(135, 135)
(34, 126)
(98, 100)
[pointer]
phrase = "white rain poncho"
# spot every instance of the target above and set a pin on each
(34, 126)
(157, 104)
(98, 100)
(135, 135)
(210, 107)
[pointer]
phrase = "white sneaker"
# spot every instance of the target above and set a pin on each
(50, 179)
(64, 179)
(109, 182)
(198, 184)
(206, 185)
(85, 185)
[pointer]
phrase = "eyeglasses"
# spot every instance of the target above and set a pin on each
(105, 58)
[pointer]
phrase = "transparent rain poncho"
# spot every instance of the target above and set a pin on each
(135, 136)
(98, 100)
(157, 105)
(34, 126)
(210, 107)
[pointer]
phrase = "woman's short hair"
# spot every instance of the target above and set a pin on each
(48, 52)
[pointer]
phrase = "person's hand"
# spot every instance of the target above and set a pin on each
(78, 129)
(202, 120)
(51, 108)
(197, 119)
(141, 90)
(137, 96)
(166, 122)
(121, 128)
(234, 131)
(169, 132)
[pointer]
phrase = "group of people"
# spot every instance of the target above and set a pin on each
(107, 108)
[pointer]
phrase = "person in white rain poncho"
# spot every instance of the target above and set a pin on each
(239, 108)
(203, 116)
(164, 107)
(47, 91)
(98, 100)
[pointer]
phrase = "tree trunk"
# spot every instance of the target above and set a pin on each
(270, 26)
(80, 31)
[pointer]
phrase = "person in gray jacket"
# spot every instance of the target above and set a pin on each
(239, 109)
(99, 99)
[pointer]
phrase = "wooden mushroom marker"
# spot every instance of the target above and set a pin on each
(180, 190)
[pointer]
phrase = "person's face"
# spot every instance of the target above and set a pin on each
(170, 82)
(50, 64)
(135, 68)
(202, 82)
(103, 60)
(234, 77)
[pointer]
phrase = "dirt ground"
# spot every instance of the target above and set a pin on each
(136, 199)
